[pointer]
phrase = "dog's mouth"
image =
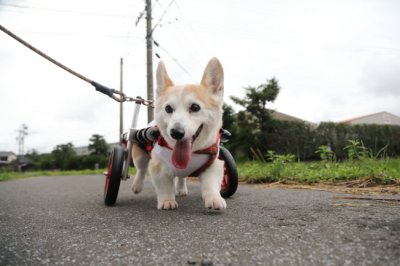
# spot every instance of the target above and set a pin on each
(182, 152)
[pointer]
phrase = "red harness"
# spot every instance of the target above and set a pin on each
(212, 151)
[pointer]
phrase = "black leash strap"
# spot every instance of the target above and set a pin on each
(115, 94)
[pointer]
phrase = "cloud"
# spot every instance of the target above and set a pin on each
(381, 76)
(333, 59)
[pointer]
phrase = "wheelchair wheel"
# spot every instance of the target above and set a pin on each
(230, 181)
(114, 174)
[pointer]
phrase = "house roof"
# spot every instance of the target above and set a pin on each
(7, 153)
(365, 116)
(281, 116)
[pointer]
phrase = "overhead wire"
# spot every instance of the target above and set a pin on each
(163, 14)
(179, 42)
(184, 43)
(190, 26)
(80, 33)
(29, 7)
(174, 59)
(90, 35)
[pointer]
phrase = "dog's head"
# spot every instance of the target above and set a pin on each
(189, 116)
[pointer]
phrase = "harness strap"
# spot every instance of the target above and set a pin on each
(148, 144)
(213, 152)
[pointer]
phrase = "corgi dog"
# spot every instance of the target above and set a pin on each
(189, 119)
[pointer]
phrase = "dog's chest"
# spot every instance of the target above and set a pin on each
(196, 162)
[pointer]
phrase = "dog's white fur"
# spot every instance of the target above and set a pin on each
(209, 96)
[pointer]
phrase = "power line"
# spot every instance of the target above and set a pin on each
(190, 25)
(163, 14)
(28, 7)
(180, 41)
(91, 34)
(186, 42)
(187, 46)
(174, 59)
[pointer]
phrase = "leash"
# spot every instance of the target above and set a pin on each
(112, 93)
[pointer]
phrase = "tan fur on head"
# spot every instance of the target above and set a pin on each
(163, 80)
(213, 77)
(208, 94)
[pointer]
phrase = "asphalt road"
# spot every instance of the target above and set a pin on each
(62, 220)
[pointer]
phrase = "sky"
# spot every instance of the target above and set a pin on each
(334, 59)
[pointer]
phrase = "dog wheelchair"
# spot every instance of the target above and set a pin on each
(120, 159)
(120, 156)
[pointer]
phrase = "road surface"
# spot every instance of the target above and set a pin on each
(62, 221)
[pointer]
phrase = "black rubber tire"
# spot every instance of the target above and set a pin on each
(230, 170)
(114, 175)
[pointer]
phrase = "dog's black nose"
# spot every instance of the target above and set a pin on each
(177, 133)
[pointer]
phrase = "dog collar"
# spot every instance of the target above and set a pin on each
(211, 152)
(201, 159)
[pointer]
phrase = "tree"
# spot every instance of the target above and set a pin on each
(98, 145)
(33, 158)
(227, 117)
(64, 156)
(255, 123)
(257, 98)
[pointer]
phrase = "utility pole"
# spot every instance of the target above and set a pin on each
(121, 108)
(22, 132)
(149, 48)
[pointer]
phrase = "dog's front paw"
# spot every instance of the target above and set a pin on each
(167, 205)
(137, 186)
(215, 202)
(182, 192)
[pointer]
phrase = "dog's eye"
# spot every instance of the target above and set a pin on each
(169, 109)
(194, 108)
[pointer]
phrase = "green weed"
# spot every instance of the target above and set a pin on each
(383, 171)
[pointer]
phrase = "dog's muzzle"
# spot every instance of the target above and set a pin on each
(177, 133)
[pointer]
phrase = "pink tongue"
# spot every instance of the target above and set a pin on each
(182, 153)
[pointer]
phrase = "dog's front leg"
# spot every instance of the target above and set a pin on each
(211, 180)
(181, 187)
(163, 181)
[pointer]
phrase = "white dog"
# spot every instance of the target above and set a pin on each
(189, 118)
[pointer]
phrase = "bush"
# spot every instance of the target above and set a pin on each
(373, 137)
(303, 140)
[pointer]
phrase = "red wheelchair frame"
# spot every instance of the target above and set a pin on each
(121, 156)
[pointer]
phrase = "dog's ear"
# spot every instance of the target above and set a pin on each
(213, 77)
(163, 80)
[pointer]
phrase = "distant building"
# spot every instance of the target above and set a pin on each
(7, 157)
(84, 150)
(285, 117)
(382, 118)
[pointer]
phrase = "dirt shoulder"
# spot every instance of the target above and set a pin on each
(352, 187)
(361, 187)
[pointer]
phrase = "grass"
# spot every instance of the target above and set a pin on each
(377, 172)
(17, 175)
